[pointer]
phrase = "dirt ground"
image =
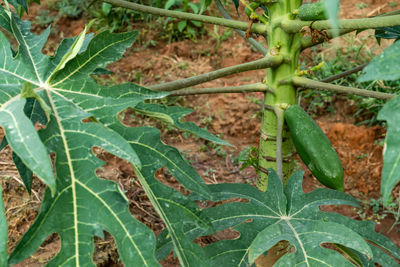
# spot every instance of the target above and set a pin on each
(233, 116)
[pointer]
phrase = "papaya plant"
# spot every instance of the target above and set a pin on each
(76, 114)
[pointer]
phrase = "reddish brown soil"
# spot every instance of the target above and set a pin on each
(234, 116)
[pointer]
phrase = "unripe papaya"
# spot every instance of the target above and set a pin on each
(314, 148)
(313, 11)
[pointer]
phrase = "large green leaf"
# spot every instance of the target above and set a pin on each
(35, 113)
(173, 115)
(3, 232)
(289, 214)
(385, 66)
(31, 55)
(83, 205)
(5, 20)
(19, 131)
(391, 155)
(79, 114)
(23, 138)
(175, 209)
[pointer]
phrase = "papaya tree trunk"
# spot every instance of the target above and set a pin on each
(287, 45)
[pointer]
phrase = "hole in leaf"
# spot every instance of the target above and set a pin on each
(121, 172)
(275, 253)
(209, 204)
(21, 211)
(47, 251)
(105, 251)
(170, 260)
(226, 234)
(164, 176)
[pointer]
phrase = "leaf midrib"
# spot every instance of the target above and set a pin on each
(296, 235)
(75, 181)
(29, 53)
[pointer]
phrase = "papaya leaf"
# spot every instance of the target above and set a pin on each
(5, 20)
(391, 160)
(82, 115)
(31, 55)
(82, 205)
(173, 115)
(35, 113)
(288, 214)
(385, 66)
(23, 138)
(25, 173)
(3, 232)
(73, 50)
(175, 209)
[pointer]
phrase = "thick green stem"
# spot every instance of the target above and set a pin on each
(293, 26)
(308, 42)
(279, 112)
(307, 83)
(287, 45)
(256, 87)
(256, 28)
(267, 62)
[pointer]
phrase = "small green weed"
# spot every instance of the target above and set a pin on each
(71, 8)
(379, 212)
(226, 34)
(247, 157)
(174, 29)
(361, 5)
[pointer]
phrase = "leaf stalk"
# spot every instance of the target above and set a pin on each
(256, 28)
(267, 62)
(294, 26)
(256, 87)
(308, 83)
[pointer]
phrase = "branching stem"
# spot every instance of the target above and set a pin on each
(256, 28)
(256, 87)
(307, 83)
(293, 26)
(267, 62)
